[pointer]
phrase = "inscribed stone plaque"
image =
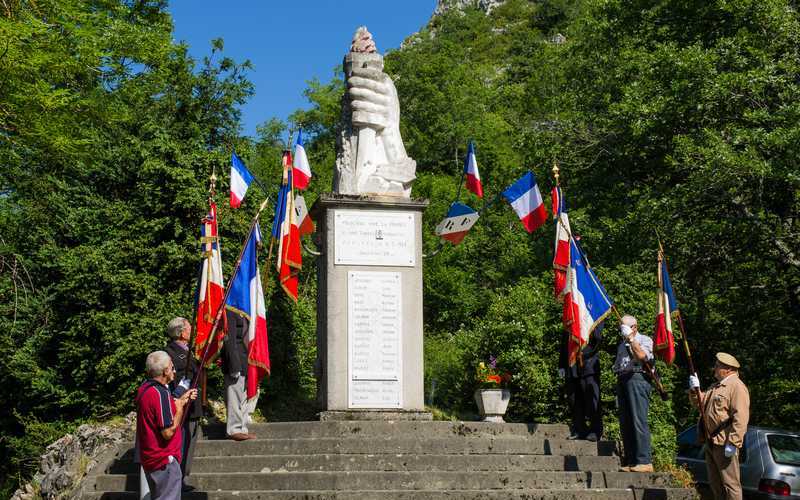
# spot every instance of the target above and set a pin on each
(374, 238)
(374, 339)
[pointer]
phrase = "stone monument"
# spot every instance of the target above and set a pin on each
(369, 305)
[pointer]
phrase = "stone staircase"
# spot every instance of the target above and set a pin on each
(408, 460)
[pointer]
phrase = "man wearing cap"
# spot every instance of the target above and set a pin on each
(726, 411)
(633, 396)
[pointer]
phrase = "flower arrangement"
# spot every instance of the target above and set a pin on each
(489, 376)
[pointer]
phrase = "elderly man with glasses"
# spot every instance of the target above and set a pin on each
(158, 427)
(633, 395)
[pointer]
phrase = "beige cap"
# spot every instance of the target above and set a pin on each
(727, 359)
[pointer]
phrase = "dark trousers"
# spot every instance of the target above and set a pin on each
(633, 401)
(191, 431)
(584, 398)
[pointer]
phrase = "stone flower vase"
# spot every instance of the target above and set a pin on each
(492, 403)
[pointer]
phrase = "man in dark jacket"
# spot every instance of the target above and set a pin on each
(179, 331)
(582, 383)
(234, 366)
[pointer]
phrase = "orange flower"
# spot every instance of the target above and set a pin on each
(493, 378)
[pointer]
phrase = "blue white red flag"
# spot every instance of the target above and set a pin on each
(586, 304)
(241, 178)
(211, 289)
(471, 174)
(664, 339)
(455, 226)
(526, 200)
(302, 170)
(290, 258)
(246, 298)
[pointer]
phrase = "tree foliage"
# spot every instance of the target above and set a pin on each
(670, 119)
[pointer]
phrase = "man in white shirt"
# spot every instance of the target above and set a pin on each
(633, 396)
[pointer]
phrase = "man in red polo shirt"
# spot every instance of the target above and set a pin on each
(158, 427)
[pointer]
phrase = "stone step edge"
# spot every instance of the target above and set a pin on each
(475, 439)
(571, 494)
(386, 455)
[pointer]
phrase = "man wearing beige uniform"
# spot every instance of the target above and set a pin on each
(726, 411)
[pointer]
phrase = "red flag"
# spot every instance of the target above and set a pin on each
(210, 288)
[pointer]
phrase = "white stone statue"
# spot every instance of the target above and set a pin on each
(371, 157)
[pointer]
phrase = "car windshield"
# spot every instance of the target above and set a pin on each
(785, 449)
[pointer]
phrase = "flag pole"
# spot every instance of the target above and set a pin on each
(221, 308)
(556, 174)
(193, 337)
(647, 365)
(284, 181)
(662, 260)
(461, 181)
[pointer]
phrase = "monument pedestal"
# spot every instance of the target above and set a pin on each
(369, 308)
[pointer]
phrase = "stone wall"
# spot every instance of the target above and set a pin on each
(71, 458)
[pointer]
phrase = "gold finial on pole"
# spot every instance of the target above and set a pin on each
(212, 181)
(556, 171)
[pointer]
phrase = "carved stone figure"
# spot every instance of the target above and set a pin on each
(371, 157)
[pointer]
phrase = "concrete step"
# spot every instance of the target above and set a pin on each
(287, 430)
(389, 462)
(405, 445)
(521, 494)
(366, 481)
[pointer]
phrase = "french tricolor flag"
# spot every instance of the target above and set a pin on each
(246, 298)
(664, 339)
(471, 174)
(211, 288)
(586, 303)
(302, 170)
(240, 180)
(455, 226)
(526, 200)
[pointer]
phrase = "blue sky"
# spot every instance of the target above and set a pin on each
(290, 43)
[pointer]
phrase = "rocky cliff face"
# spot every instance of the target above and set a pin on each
(485, 5)
(69, 459)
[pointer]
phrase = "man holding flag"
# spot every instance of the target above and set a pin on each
(578, 366)
(246, 348)
(586, 305)
(633, 395)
